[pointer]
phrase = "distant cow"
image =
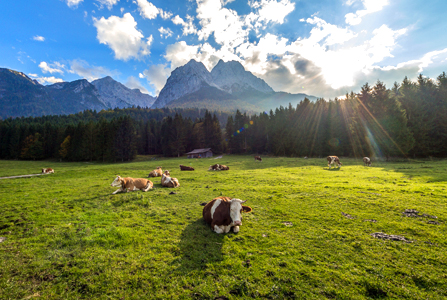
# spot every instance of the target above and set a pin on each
(223, 213)
(186, 168)
(47, 171)
(258, 158)
(367, 161)
(333, 160)
(218, 167)
(167, 181)
(156, 173)
(127, 184)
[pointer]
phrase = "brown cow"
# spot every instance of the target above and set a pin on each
(167, 181)
(218, 167)
(186, 168)
(367, 161)
(333, 160)
(156, 173)
(224, 213)
(47, 171)
(258, 158)
(131, 184)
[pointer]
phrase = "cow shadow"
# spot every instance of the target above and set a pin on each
(333, 169)
(199, 246)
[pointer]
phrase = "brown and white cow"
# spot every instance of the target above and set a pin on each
(218, 167)
(47, 171)
(167, 181)
(258, 158)
(127, 184)
(367, 161)
(224, 213)
(156, 173)
(186, 168)
(333, 160)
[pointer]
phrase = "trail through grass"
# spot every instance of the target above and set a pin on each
(65, 236)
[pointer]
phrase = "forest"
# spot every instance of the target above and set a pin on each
(406, 120)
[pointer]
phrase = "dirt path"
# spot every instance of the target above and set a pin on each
(22, 176)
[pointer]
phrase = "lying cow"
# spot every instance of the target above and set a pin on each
(47, 171)
(167, 181)
(258, 158)
(127, 184)
(218, 167)
(224, 213)
(333, 160)
(186, 168)
(367, 161)
(156, 173)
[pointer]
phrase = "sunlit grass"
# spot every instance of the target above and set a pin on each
(67, 237)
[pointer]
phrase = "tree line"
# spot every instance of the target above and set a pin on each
(406, 120)
(112, 135)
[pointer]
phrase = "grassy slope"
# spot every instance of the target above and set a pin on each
(67, 237)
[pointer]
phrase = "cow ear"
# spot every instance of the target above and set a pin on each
(246, 209)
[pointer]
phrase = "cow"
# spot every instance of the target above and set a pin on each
(218, 167)
(258, 158)
(127, 184)
(167, 181)
(186, 168)
(367, 161)
(333, 160)
(47, 171)
(223, 213)
(156, 173)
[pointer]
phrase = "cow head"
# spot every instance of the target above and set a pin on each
(236, 209)
(43, 171)
(117, 182)
(166, 172)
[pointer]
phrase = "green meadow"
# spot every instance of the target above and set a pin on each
(309, 236)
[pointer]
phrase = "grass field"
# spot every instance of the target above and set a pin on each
(65, 236)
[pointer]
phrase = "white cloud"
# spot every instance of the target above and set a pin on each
(108, 3)
(122, 36)
(45, 80)
(165, 32)
(73, 3)
(371, 6)
(156, 76)
(51, 68)
(188, 27)
(84, 70)
(38, 38)
(149, 11)
(272, 10)
(134, 83)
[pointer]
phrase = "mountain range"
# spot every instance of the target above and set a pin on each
(227, 87)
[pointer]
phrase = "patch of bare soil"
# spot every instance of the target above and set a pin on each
(391, 237)
(348, 215)
(415, 214)
(370, 220)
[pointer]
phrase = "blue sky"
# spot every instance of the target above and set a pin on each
(324, 48)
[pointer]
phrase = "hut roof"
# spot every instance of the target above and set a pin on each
(198, 151)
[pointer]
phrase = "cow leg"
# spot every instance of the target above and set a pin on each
(117, 191)
(218, 229)
(236, 229)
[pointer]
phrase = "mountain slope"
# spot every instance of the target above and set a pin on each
(114, 94)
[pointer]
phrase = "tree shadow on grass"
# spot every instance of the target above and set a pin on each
(198, 247)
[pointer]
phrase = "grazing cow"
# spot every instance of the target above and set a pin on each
(258, 158)
(223, 213)
(47, 171)
(218, 167)
(156, 173)
(167, 181)
(367, 161)
(186, 168)
(127, 184)
(333, 160)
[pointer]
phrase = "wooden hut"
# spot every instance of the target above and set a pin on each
(200, 153)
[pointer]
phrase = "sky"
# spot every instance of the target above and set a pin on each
(324, 48)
